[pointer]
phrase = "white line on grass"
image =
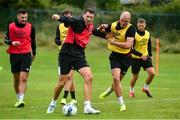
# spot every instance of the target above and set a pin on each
(140, 101)
(140, 87)
(109, 102)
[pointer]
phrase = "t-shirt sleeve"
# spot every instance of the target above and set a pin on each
(130, 32)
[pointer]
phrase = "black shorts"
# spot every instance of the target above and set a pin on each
(59, 68)
(68, 62)
(20, 62)
(138, 63)
(122, 61)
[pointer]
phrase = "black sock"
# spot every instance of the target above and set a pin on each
(65, 94)
(73, 95)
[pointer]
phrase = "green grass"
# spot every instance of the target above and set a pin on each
(165, 103)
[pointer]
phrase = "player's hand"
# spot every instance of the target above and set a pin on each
(144, 58)
(62, 43)
(151, 58)
(16, 43)
(55, 17)
(33, 57)
(102, 27)
(111, 41)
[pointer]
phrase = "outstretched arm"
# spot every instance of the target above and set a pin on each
(102, 31)
(66, 20)
(98, 33)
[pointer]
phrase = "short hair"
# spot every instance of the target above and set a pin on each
(66, 11)
(21, 11)
(89, 10)
(141, 20)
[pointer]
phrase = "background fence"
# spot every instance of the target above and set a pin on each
(164, 26)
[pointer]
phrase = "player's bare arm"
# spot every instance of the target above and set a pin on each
(125, 45)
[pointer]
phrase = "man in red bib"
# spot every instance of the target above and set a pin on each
(20, 37)
(72, 54)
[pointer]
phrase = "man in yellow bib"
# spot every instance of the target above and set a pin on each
(120, 58)
(142, 57)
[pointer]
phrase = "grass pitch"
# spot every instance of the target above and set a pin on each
(165, 103)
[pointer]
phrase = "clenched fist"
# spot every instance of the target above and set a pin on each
(16, 43)
(55, 17)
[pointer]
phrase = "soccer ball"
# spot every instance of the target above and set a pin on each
(69, 109)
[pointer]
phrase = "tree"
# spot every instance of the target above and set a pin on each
(24, 3)
(77, 3)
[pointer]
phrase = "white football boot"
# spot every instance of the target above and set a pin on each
(90, 110)
(51, 108)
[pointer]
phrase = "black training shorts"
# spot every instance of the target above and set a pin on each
(20, 62)
(138, 63)
(67, 62)
(122, 61)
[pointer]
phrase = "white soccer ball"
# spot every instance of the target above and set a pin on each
(69, 110)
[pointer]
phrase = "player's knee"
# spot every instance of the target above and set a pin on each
(116, 79)
(23, 78)
(135, 78)
(62, 82)
(70, 77)
(88, 78)
(152, 73)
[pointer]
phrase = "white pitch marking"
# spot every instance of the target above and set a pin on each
(111, 102)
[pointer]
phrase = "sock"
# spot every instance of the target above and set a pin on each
(73, 95)
(109, 90)
(131, 89)
(87, 104)
(53, 102)
(146, 86)
(21, 97)
(65, 94)
(120, 100)
(17, 96)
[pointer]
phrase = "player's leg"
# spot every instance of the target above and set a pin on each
(135, 68)
(63, 77)
(109, 90)
(57, 90)
(16, 84)
(16, 87)
(132, 84)
(72, 91)
(66, 91)
(116, 75)
(151, 73)
(15, 70)
(22, 88)
(21, 64)
(26, 61)
(87, 76)
(106, 93)
(69, 86)
(23, 82)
